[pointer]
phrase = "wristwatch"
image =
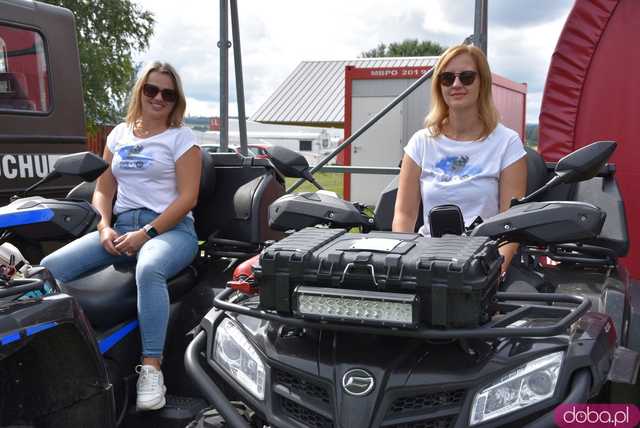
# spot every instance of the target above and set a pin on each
(150, 230)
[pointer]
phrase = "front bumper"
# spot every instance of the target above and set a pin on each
(300, 402)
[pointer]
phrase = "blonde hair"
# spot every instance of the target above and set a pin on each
(439, 113)
(174, 120)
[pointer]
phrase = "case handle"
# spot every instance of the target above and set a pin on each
(350, 265)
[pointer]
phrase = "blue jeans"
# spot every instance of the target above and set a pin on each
(159, 259)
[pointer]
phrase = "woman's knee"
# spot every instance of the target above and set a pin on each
(54, 264)
(149, 272)
(50, 262)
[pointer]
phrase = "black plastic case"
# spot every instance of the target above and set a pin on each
(454, 277)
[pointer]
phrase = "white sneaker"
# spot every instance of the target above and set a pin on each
(150, 388)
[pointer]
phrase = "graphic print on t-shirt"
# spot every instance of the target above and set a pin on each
(131, 157)
(455, 168)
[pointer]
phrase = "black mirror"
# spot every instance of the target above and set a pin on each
(580, 165)
(445, 219)
(584, 163)
(291, 164)
(288, 162)
(85, 165)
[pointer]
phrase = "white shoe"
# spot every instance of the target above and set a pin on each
(150, 388)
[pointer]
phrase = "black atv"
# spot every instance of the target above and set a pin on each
(382, 329)
(68, 351)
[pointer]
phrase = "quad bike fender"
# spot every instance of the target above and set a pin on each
(612, 302)
(633, 326)
(49, 347)
(592, 346)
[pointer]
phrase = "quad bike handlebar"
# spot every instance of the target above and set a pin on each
(19, 286)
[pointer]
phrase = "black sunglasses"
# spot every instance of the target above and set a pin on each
(466, 77)
(168, 95)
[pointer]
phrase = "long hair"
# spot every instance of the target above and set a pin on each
(175, 118)
(439, 113)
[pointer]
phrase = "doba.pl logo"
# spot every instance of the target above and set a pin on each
(596, 415)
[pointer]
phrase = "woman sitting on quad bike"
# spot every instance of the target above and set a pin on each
(155, 167)
(463, 156)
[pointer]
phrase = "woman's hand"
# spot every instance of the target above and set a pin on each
(130, 242)
(107, 238)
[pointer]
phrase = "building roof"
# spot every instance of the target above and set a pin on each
(313, 94)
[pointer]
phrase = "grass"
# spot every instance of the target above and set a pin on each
(329, 180)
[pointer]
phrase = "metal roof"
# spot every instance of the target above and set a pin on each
(313, 94)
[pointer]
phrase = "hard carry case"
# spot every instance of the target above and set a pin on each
(455, 278)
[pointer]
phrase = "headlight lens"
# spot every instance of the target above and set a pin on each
(239, 358)
(529, 384)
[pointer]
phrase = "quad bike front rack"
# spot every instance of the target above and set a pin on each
(545, 307)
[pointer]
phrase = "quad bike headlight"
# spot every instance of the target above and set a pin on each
(367, 307)
(527, 385)
(239, 358)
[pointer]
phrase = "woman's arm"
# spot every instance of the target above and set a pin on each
(188, 170)
(103, 202)
(513, 184)
(408, 198)
(104, 192)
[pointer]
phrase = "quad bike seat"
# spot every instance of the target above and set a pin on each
(108, 295)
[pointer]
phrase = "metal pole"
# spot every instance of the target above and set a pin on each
(224, 45)
(237, 57)
(480, 25)
(366, 126)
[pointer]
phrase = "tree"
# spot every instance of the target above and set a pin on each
(108, 32)
(408, 47)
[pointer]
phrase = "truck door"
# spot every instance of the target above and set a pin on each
(41, 107)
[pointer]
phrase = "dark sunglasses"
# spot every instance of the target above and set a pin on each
(168, 95)
(466, 77)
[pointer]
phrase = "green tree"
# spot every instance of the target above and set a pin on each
(108, 33)
(531, 135)
(408, 47)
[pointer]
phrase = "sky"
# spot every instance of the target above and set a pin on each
(276, 35)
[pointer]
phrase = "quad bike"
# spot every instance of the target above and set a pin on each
(68, 351)
(333, 329)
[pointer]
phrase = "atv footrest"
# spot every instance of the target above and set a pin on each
(177, 413)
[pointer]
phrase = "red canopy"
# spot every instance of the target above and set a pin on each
(593, 93)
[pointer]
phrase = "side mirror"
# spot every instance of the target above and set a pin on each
(85, 165)
(579, 165)
(288, 162)
(291, 164)
(585, 162)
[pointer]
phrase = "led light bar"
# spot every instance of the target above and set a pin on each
(362, 307)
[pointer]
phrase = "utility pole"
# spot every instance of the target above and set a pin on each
(480, 25)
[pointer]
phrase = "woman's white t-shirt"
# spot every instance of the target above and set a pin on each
(463, 173)
(145, 168)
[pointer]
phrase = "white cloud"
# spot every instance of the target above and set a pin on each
(277, 35)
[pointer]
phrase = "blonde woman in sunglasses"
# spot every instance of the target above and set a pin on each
(463, 156)
(154, 177)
